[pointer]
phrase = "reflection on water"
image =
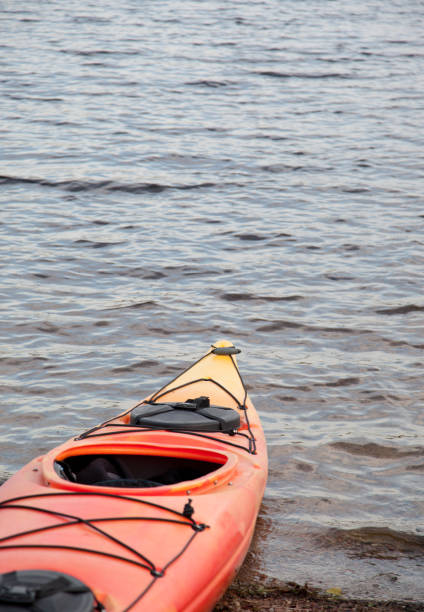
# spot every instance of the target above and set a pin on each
(174, 173)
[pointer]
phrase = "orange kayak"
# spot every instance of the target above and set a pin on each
(151, 511)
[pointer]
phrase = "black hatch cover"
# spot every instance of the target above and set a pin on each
(191, 415)
(43, 591)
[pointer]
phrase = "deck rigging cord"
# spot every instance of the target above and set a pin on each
(185, 518)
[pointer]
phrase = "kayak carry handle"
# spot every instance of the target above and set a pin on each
(225, 350)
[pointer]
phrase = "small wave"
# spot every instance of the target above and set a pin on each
(96, 245)
(143, 273)
(279, 325)
(342, 382)
(287, 398)
(96, 52)
(135, 306)
(26, 97)
(400, 309)
(250, 237)
(48, 328)
(208, 83)
(136, 366)
(272, 326)
(90, 19)
(355, 190)
(376, 542)
(280, 168)
(371, 449)
(153, 275)
(303, 75)
(351, 247)
(22, 361)
(248, 297)
(337, 277)
(105, 186)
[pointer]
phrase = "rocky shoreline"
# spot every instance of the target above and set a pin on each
(252, 591)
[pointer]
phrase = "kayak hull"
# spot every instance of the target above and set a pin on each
(171, 546)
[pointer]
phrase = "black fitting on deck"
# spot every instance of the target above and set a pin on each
(157, 573)
(188, 510)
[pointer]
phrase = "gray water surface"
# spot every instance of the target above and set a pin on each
(173, 173)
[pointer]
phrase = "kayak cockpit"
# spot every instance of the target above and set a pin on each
(118, 470)
(144, 468)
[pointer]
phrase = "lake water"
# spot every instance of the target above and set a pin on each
(173, 173)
